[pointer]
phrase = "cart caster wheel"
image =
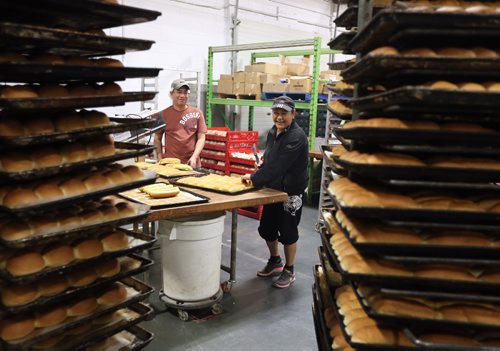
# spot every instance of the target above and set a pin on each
(217, 309)
(183, 315)
(226, 287)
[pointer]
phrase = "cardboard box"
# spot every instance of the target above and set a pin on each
(252, 89)
(225, 86)
(253, 77)
(226, 77)
(275, 87)
(269, 78)
(264, 67)
(239, 77)
(297, 69)
(300, 85)
(238, 88)
(331, 75)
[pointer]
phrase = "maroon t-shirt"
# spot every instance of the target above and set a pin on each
(181, 129)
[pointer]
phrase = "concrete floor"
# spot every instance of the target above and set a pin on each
(256, 315)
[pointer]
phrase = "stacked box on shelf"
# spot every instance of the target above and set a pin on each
(416, 214)
(67, 278)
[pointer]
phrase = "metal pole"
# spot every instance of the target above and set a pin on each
(234, 239)
(234, 59)
(210, 68)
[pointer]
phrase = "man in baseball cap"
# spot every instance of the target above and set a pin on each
(179, 84)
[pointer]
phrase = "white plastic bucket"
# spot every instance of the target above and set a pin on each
(191, 256)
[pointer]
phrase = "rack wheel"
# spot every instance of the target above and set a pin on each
(217, 309)
(183, 315)
(226, 286)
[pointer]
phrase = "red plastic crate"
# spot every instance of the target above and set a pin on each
(215, 166)
(218, 137)
(243, 135)
(213, 157)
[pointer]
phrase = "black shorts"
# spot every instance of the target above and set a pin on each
(280, 221)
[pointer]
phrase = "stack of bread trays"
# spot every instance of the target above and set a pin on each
(415, 233)
(66, 262)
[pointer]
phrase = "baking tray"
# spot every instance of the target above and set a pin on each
(31, 104)
(379, 69)
(29, 38)
(149, 177)
(424, 99)
(123, 151)
(81, 14)
(118, 125)
(213, 190)
(339, 66)
(414, 321)
(184, 198)
(349, 18)
(81, 231)
(342, 41)
(142, 292)
(60, 73)
(145, 264)
(322, 333)
(343, 116)
(398, 136)
(145, 242)
(449, 174)
(453, 347)
(141, 340)
(390, 21)
(344, 93)
(438, 225)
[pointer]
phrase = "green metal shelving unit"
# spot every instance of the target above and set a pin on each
(315, 52)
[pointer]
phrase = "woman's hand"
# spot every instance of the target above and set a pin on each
(246, 179)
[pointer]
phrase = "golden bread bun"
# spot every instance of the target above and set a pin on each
(11, 128)
(109, 212)
(82, 277)
(458, 52)
(125, 209)
(19, 294)
(67, 123)
(419, 52)
(440, 271)
(16, 230)
(75, 152)
(484, 52)
(50, 317)
(20, 198)
(384, 50)
(82, 307)
(16, 327)
(39, 125)
(109, 89)
(95, 119)
(479, 9)
(78, 60)
(11, 57)
(18, 92)
(47, 59)
(115, 294)
(47, 157)
(73, 187)
(53, 285)
(108, 268)
(91, 216)
(49, 191)
(58, 255)
(114, 241)
(25, 263)
(116, 177)
(128, 263)
(169, 160)
(108, 62)
(101, 148)
(82, 90)
(96, 182)
(52, 90)
(105, 318)
(449, 9)
(442, 84)
(447, 339)
(469, 86)
(87, 249)
(16, 162)
(133, 172)
(492, 86)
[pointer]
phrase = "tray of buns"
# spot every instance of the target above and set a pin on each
(47, 103)
(322, 333)
(341, 42)
(18, 298)
(358, 201)
(73, 314)
(345, 91)
(50, 193)
(183, 198)
(84, 15)
(131, 338)
(169, 170)
(57, 159)
(30, 38)
(349, 18)
(385, 68)
(417, 132)
(72, 221)
(428, 99)
(333, 278)
(216, 183)
(339, 66)
(65, 73)
(38, 130)
(68, 256)
(387, 23)
(340, 108)
(376, 238)
(412, 312)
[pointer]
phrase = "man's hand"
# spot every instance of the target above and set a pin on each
(246, 179)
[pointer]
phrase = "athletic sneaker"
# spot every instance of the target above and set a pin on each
(285, 280)
(271, 268)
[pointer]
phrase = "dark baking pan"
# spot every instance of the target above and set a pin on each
(343, 116)
(390, 21)
(81, 14)
(331, 281)
(123, 151)
(142, 338)
(397, 136)
(149, 177)
(145, 264)
(379, 69)
(349, 18)
(59, 73)
(427, 251)
(322, 333)
(142, 291)
(342, 41)
(444, 225)
(81, 231)
(421, 172)
(141, 242)
(339, 66)
(414, 321)
(450, 185)
(419, 98)
(201, 200)
(344, 93)
(118, 125)
(27, 104)
(28, 38)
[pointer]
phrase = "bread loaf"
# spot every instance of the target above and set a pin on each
(82, 277)
(384, 51)
(52, 91)
(53, 285)
(169, 160)
(114, 241)
(109, 89)
(492, 86)
(47, 157)
(72, 187)
(16, 327)
(82, 90)
(101, 148)
(105, 318)
(108, 62)
(20, 197)
(419, 52)
(67, 123)
(19, 294)
(39, 125)
(10, 127)
(18, 92)
(469, 86)
(50, 317)
(479, 9)
(484, 52)
(78, 60)
(96, 182)
(16, 162)
(87, 249)
(133, 172)
(108, 268)
(455, 52)
(115, 294)
(95, 119)
(16, 229)
(443, 85)
(58, 255)
(25, 263)
(82, 307)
